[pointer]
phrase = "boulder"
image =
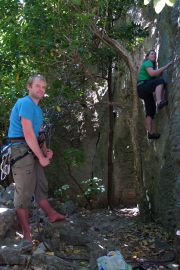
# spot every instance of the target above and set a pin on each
(7, 217)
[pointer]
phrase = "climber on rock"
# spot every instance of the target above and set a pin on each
(150, 82)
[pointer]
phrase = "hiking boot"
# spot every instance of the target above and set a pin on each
(162, 104)
(153, 136)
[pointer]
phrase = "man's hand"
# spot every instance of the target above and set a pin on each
(49, 153)
(44, 161)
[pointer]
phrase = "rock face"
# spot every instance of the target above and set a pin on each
(160, 159)
(7, 213)
(167, 186)
(6, 220)
(161, 163)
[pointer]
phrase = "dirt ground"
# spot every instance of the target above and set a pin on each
(86, 235)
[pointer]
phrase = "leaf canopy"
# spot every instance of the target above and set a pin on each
(54, 38)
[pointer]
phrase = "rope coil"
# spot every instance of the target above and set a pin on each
(5, 161)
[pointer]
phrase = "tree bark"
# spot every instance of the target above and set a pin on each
(125, 55)
(110, 138)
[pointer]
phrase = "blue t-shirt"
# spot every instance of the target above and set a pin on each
(27, 108)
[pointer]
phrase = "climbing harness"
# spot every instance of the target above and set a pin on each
(13, 161)
(6, 159)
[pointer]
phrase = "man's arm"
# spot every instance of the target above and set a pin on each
(32, 142)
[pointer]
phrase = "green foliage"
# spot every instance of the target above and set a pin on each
(131, 34)
(73, 157)
(62, 192)
(93, 187)
(35, 43)
(115, 19)
(54, 38)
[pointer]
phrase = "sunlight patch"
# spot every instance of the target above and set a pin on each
(3, 209)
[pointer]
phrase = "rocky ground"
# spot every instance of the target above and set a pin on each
(79, 241)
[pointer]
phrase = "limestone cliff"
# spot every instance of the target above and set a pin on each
(161, 159)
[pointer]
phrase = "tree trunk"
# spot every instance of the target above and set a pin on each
(110, 137)
(134, 120)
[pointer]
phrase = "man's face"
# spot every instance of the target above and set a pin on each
(37, 89)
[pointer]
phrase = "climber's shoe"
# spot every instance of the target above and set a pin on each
(153, 136)
(162, 104)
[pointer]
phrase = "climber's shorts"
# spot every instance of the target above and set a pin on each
(145, 91)
(29, 178)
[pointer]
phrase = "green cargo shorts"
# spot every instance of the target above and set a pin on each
(29, 178)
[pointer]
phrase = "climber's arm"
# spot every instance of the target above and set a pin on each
(159, 71)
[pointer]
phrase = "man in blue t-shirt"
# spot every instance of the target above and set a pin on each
(26, 120)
